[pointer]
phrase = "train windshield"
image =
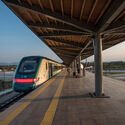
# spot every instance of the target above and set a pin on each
(28, 66)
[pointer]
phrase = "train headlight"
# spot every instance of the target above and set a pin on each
(36, 79)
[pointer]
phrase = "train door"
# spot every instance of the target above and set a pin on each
(50, 70)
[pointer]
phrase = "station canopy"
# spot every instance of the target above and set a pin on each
(68, 26)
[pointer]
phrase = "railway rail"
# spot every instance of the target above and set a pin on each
(8, 102)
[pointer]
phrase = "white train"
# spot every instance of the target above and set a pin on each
(33, 71)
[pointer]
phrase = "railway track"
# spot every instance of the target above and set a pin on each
(5, 104)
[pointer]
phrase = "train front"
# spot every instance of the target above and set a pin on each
(26, 74)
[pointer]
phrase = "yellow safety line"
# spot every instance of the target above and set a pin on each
(11, 116)
(50, 113)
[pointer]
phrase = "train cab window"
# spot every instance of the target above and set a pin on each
(28, 66)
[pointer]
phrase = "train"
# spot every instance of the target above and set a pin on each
(33, 71)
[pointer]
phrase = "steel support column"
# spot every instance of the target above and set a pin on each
(98, 65)
(79, 65)
(75, 68)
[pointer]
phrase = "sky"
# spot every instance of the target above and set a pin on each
(115, 53)
(17, 41)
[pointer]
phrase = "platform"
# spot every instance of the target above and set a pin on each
(64, 100)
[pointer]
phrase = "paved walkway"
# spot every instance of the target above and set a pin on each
(64, 100)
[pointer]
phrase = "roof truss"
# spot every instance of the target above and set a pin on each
(67, 48)
(67, 42)
(113, 11)
(56, 16)
(57, 34)
(56, 27)
(119, 25)
(66, 51)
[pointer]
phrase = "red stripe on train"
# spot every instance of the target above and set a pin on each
(24, 80)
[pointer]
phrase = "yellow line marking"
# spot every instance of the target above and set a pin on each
(11, 116)
(50, 113)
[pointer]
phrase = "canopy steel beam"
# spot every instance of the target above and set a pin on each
(83, 49)
(114, 10)
(67, 52)
(57, 34)
(106, 46)
(67, 49)
(67, 61)
(87, 54)
(90, 48)
(53, 15)
(115, 26)
(71, 43)
(66, 58)
(116, 33)
(69, 56)
(115, 41)
(56, 27)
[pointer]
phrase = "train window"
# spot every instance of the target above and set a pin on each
(28, 66)
(55, 67)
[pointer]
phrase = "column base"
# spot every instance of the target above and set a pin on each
(74, 74)
(93, 95)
